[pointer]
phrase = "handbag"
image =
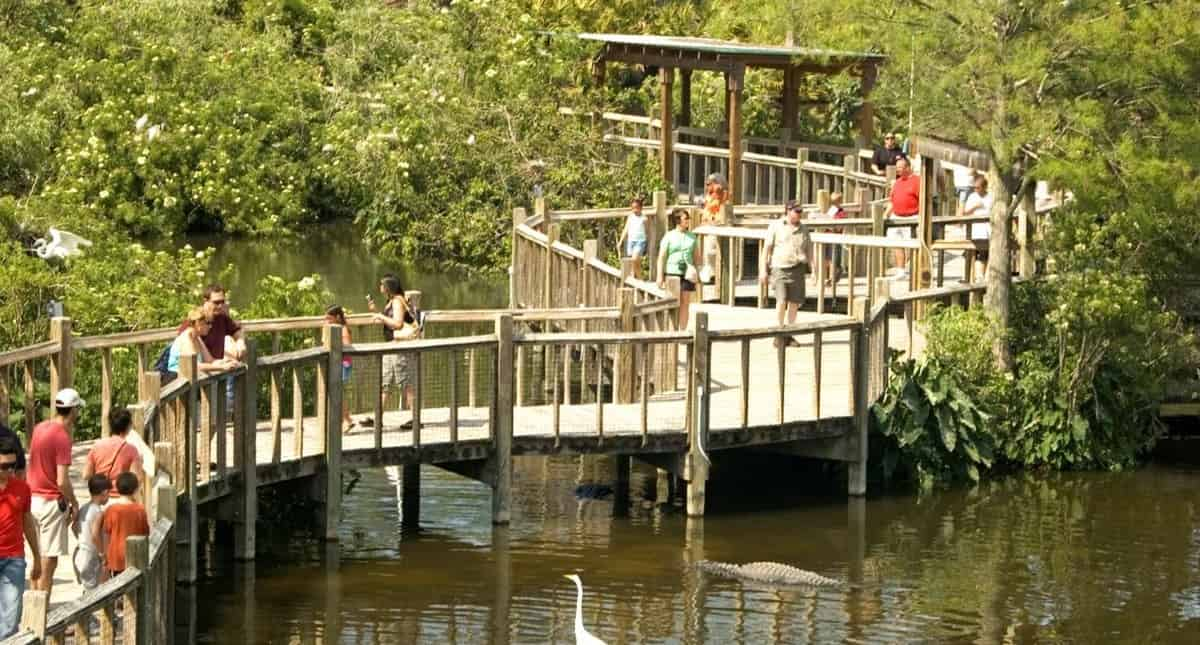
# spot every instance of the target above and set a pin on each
(691, 275)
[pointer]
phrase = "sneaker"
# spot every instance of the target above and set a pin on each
(407, 425)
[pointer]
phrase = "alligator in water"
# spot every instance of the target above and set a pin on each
(768, 572)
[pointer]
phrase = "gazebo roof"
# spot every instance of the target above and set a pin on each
(707, 53)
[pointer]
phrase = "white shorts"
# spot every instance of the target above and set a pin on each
(87, 566)
(900, 232)
(52, 526)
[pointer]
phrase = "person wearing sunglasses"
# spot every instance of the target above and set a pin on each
(19, 470)
(17, 525)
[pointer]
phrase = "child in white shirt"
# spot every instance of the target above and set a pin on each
(87, 556)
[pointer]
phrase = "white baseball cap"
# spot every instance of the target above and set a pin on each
(68, 398)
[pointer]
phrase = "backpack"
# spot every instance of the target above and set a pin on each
(160, 365)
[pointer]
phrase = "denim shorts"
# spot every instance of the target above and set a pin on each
(635, 247)
(346, 370)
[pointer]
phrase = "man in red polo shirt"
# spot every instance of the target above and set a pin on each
(905, 202)
(16, 522)
(48, 472)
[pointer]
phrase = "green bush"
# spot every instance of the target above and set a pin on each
(933, 429)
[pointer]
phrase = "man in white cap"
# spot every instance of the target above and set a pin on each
(48, 475)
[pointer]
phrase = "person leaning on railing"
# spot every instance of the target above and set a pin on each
(191, 341)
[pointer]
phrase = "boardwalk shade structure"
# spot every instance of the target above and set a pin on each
(732, 59)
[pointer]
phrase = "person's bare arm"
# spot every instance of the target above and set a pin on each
(662, 264)
(765, 261)
(64, 486)
(89, 468)
(29, 525)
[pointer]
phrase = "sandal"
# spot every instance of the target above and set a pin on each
(349, 427)
(407, 425)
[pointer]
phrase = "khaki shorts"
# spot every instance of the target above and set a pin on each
(789, 283)
(395, 370)
(87, 566)
(52, 526)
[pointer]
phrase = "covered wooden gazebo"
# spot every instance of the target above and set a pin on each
(686, 54)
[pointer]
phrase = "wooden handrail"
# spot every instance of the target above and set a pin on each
(842, 324)
(22, 354)
(419, 346)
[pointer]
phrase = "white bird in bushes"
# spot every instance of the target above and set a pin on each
(582, 637)
(62, 244)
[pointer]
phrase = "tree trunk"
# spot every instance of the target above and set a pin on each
(996, 301)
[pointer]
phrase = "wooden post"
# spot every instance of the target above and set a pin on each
(149, 391)
(736, 80)
(106, 391)
(657, 230)
(410, 496)
(503, 423)
(866, 112)
(137, 556)
(245, 449)
(672, 349)
(515, 268)
(188, 536)
(696, 462)
(36, 604)
(591, 249)
(790, 96)
(1026, 263)
(332, 339)
(62, 366)
(685, 97)
(548, 280)
(860, 350)
(666, 78)
(922, 273)
(623, 374)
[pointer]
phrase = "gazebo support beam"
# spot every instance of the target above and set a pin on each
(685, 97)
(866, 114)
(733, 94)
(666, 78)
(791, 91)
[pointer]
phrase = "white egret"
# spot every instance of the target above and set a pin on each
(61, 244)
(582, 637)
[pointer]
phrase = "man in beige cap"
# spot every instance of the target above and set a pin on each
(48, 474)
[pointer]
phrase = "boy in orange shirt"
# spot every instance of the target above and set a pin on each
(122, 518)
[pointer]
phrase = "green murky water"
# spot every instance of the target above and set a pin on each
(1084, 558)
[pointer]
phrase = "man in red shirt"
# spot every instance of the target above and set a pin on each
(905, 202)
(216, 306)
(48, 474)
(16, 521)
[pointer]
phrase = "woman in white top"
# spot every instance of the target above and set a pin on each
(980, 203)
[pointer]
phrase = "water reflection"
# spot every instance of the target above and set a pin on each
(350, 269)
(1083, 558)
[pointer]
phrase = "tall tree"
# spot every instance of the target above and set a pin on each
(1046, 88)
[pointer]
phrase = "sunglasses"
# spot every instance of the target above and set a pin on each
(7, 466)
(217, 303)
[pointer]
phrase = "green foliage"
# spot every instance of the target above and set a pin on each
(934, 431)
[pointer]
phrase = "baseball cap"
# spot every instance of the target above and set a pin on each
(68, 398)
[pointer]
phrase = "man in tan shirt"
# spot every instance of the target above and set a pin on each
(786, 253)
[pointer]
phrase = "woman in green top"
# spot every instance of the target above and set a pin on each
(678, 255)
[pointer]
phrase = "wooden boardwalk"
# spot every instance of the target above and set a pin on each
(532, 424)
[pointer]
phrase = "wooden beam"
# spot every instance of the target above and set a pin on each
(865, 119)
(666, 78)
(685, 97)
(791, 91)
(734, 85)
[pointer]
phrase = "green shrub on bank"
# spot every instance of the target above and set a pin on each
(1094, 351)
